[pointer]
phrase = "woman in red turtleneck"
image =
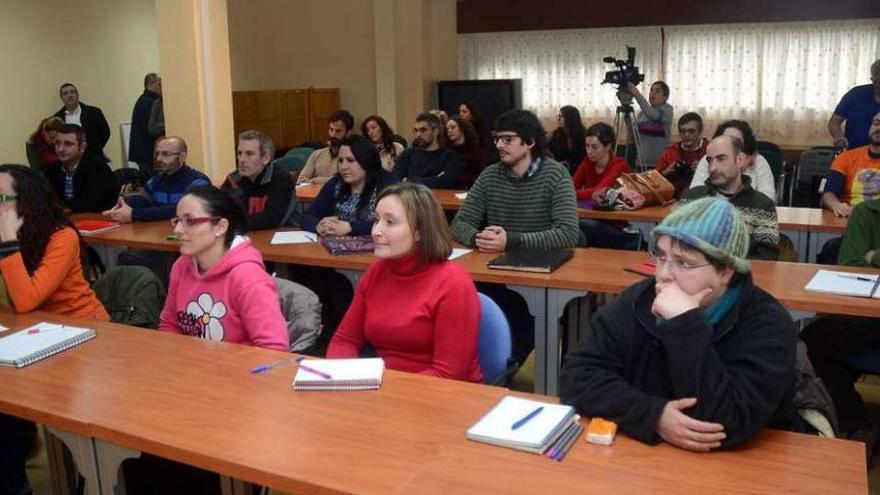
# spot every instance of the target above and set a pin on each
(419, 311)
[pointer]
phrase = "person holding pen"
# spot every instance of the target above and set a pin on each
(419, 311)
(347, 202)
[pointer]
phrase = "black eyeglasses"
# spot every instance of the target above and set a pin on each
(506, 138)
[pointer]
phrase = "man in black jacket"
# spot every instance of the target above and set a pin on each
(140, 142)
(90, 118)
(427, 162)
(264, 191)
(82, 181)
(697, 356)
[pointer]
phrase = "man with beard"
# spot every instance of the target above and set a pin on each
(526, 201)
(726, 180)
(162, 191)
(90, 118)
(321, 165)
(855, 175)
(82, 181)
(427, 162)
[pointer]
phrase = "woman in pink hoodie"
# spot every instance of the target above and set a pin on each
(218, 288)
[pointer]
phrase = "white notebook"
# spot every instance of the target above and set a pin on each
(844, 283)
(293, 237)
(339, 374)
(535, 435)
(39, 342)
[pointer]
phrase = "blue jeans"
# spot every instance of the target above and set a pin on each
(605, 235)
(13, 449)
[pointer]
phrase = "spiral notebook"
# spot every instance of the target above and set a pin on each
(339, 374)
(540, 424)
(39, 342)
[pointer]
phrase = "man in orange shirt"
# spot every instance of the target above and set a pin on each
(855, 175)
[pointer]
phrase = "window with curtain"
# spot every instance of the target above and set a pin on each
(561, 67)
(784, 78)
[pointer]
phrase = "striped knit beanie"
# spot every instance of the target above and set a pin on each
(712, 226)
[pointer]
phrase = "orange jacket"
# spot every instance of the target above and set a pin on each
(57, 285)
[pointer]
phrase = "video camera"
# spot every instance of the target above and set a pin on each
(626, 71)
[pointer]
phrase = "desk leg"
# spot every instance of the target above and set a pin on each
(353, 276)
(536, 301)
(556, 302)
(801, 241)
(817, 240)
(82, 450)
(232, 486)
(110, 459)
(645, 229)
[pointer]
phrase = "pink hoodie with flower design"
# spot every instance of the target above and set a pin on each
(235, 301)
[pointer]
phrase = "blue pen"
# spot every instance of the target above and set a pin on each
(267, 367)
(565, 448)
(526, 418)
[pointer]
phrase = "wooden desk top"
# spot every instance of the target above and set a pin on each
(592, 269)
(826, 221)
(196, 402)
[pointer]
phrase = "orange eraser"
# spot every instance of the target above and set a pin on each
(601, 431)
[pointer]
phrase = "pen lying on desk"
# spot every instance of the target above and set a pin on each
(267, 367)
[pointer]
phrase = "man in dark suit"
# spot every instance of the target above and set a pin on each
(86, 116)
(140, 143)
(82, 181)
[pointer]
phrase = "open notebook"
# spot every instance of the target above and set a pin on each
(845, 284)
(339, 374)
(534, 435)
(39, 342)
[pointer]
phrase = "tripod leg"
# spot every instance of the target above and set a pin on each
(636, 140)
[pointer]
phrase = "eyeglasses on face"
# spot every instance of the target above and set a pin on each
(675, 265)
(505, 138)
(190, 221)
(5, 198)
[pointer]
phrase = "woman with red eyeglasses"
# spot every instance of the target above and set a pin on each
(218, 288)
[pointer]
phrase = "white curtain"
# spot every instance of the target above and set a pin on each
(784, 78)
(559, 67)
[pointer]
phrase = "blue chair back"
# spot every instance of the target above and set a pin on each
(495, 342)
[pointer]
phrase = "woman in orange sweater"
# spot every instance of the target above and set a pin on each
(40, 265)
(40, 250)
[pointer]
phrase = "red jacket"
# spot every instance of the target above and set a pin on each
(587, 181)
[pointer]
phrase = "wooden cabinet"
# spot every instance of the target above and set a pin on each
(289, 116)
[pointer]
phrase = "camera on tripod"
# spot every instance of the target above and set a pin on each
(626, 71)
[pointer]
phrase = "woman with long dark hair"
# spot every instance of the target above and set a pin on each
(567, 141)
(347, 202)
(41, 267)
(461, 137)
(40, 147)
(377, 130)
(468, 112)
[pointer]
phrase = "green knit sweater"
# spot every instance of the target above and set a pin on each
(862, 235)
(537, 211)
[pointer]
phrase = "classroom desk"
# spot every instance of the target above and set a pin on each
(196, 402)
(546, 295)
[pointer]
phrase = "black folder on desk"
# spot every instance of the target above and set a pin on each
(532, 260)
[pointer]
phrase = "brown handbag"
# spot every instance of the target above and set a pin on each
(651, 184)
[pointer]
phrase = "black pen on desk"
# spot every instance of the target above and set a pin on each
(519, 423)
(856, 277)
(267, 367)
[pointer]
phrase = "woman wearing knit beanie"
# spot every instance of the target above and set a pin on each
(697, 356)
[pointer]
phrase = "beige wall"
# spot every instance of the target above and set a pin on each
(286, 44)
(382, 54)
(104, 47)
